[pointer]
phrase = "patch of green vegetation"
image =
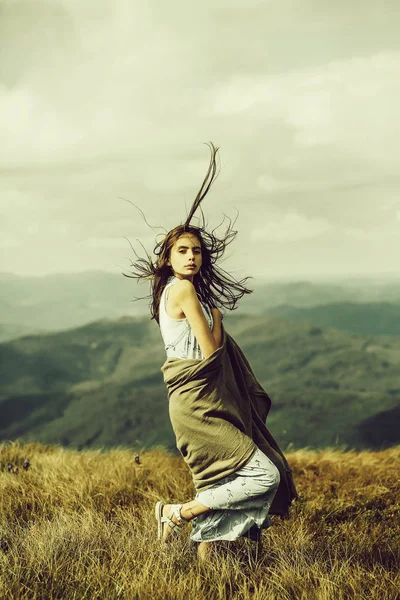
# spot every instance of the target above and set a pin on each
(101, 384)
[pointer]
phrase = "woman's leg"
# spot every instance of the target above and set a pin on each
(254, 484)
(249, 485)
(238, 502)
(233, 494)
(189, 511)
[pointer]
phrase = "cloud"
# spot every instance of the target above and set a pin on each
(291, 227)
(94, 86)
(271, 184)
(137, 79)
(343, 104)
(100, 100)
(9, 241)
(104, 243)
(363, 234)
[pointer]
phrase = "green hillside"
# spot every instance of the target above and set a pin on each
(101, 384)
(372, 318)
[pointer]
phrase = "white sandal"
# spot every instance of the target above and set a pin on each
(175, 511)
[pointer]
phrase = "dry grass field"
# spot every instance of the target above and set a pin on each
(80, 525)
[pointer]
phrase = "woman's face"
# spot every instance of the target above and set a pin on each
(185, 257)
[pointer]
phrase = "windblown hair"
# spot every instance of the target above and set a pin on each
(214, 286)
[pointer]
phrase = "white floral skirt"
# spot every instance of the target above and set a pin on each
(238, 502)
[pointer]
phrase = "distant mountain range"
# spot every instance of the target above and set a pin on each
(100, 384)
(31, 305)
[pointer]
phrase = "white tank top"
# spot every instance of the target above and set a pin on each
(177, 334)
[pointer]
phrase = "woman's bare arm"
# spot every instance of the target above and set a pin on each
(217, 327)
(186, 298)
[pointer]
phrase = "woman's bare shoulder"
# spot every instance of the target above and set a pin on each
(182, 286)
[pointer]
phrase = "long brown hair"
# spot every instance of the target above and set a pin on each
(214, 286)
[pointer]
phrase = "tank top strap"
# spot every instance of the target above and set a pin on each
(163, 300)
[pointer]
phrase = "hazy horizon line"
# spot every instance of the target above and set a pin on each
(284, 277)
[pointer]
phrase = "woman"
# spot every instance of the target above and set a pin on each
(216, 405)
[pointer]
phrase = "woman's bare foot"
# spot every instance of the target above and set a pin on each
(167, 532)
(187, 512)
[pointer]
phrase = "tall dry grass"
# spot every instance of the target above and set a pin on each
(80, 525)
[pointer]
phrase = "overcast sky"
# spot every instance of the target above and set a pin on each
(102, 99)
